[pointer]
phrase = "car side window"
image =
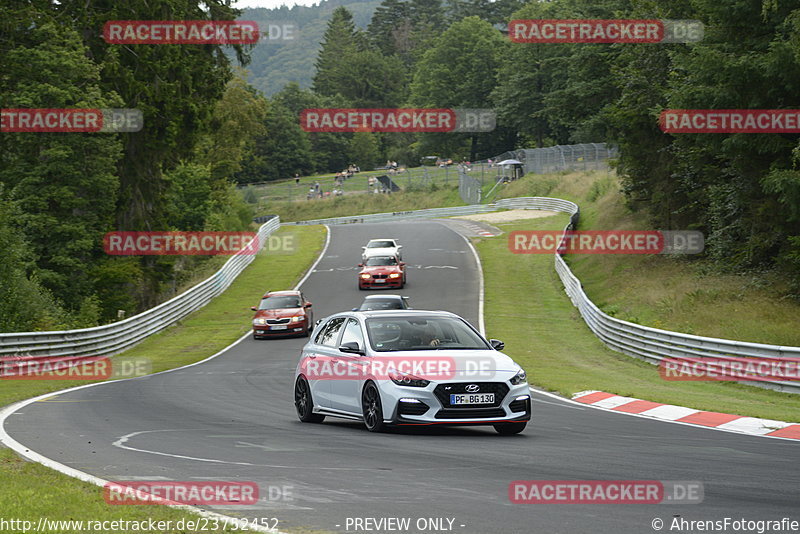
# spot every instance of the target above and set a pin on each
(327, 336)
(352, 332)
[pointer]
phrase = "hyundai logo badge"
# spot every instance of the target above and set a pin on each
(473, 388)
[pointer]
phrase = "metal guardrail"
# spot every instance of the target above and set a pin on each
(643, 342)
(113, 338)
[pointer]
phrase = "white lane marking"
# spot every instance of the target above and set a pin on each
(20, 449)
(319, 259)
(481, 322)
(121, 443)
(556, 403)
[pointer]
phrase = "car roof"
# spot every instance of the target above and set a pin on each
(382, 239)
(384, 296)
(403, 313)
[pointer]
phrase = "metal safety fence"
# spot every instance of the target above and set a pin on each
(113, 338)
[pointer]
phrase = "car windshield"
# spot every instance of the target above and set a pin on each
(380, 244)
(390, 334)
(275, 303)
(380, 260)
(382, 304)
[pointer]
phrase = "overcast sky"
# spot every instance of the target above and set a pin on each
(272, 3)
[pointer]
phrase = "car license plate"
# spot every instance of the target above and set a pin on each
(279, 327)
(472, 398)
(379, 281)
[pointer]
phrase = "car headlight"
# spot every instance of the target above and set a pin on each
(298, 318)
(402, 379)
(259, 320)
(365, 276)
(519, 378)
(394, 275)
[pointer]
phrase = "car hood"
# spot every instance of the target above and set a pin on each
(279, 313)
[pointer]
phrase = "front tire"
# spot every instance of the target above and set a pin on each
(508, 429)
(304, 403)
(371, 408)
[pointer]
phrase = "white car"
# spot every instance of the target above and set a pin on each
(409, 367)
(382, 247)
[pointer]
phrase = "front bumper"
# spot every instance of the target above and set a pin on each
(513, 407)
(394, 283)
(269, 330)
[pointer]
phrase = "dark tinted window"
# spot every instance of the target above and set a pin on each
(327, 336)
(383, 304)
(380, 244)
(278, 302)
(380, 260)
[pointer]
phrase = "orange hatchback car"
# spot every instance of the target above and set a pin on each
(282, 313)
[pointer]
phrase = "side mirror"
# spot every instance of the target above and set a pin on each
(497, 344)
(307, 305)
(360, 264)
(354, 309)
(351, 347)
(253, 308)
(402, 263)
(399, 246)
(363, 248)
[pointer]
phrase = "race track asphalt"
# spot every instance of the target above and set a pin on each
(232, 418)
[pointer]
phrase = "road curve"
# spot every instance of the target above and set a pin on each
(233, 418)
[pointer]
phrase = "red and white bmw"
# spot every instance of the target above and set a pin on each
(382, 271)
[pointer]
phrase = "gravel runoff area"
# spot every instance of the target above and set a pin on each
(508, 216)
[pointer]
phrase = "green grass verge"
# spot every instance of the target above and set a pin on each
(682, 293)
(30, 491)
(527, 308)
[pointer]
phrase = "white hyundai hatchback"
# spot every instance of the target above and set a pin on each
(409, 367)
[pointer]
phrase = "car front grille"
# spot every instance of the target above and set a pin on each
(278, 321)
(443, 392)
(470, 413)
(380, 276)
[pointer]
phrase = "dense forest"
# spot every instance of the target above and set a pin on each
(206, 128)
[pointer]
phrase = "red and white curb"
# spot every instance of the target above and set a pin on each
(689, 416)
